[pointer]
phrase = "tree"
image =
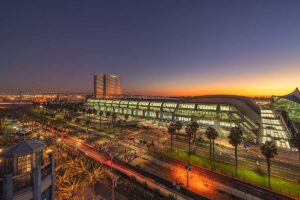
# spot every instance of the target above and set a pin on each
(69, 188)
(144, 186)
(87, 124)
(113, 119)
(107, 114)
(94, 173)
(171, 131)
(211, 134)
(195, 127)
(94, 112)
(235, 138)
(126, 117)
(170, 197)
(156, 193)
(77, 121)
(269, 150)
(296, 142)
(100, 118)
(178, 125)
(191, 130)
(89, 112)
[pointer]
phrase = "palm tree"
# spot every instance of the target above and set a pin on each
(113, 119)
(144, 186)
(94, 112)
(211, 134)
(195, 127)
(89, 112)
(82, 168)
(156, 193)
(70, 187)
(178, 125)
(171, 131)
(87, 124)
(269, 150)
(107, 114)
(95, 173)
(126, 117)
(235, 138)
(191, 130)
(296, 142)
(77, 121)
(100, 118)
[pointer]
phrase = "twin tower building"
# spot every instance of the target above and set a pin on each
(107, 86)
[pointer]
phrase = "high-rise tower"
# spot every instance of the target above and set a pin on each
(107, 85)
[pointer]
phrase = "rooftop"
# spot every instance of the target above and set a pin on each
(23, 148)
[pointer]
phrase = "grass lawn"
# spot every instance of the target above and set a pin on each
(251, 176)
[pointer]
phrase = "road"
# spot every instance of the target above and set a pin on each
(279, 169)
(153, 182)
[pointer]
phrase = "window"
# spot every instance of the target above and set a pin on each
(206, 122)
(206, 107)
(24, 164)
(187, 106)
(155, 104)
(170, 105)
(143, 103)
(227, 124)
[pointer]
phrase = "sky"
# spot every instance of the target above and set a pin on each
(158, 47)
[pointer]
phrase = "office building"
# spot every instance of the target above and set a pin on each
(107, 86)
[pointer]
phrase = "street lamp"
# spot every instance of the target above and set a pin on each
(177, 188)
(188, 168)
(114, 179)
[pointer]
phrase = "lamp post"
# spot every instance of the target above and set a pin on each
(111, 161)
(188, 168)
(114, 179)
(177, 188)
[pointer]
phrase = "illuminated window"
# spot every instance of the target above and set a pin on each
(156, 104)
(187, 106)
(206, 122)
(24, 164)
(170, 105)
(206, 107)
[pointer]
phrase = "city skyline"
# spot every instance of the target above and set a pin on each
(158, 48)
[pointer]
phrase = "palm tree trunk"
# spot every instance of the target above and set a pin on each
(100, 122)
(235, 152)
(171, 143)
(189, 149)
(83, 193)
(210, 151)
(195, 142)
(213, 152)
(93, 191)
(269, 172)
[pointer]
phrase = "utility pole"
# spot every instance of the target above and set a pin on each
(188, 168)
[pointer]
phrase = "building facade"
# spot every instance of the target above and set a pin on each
(289, 103)
(25, 174)
(222, 112)
(107, 86)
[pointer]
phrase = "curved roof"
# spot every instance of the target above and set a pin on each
(294, 96)
(245, 105)
(23, 148)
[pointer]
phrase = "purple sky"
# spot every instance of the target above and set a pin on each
(159, 47)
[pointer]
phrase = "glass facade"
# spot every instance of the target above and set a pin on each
(221, 116)
(291, 107)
